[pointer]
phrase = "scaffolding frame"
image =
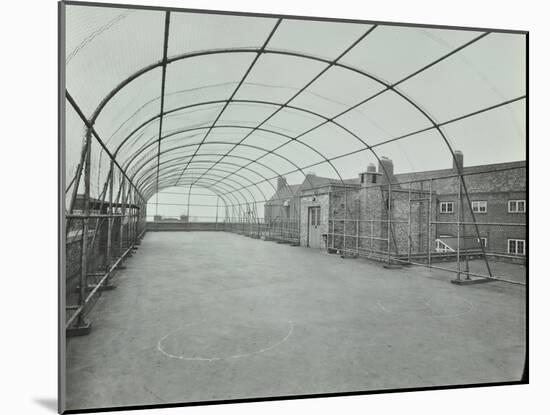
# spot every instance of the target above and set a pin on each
(140, 178)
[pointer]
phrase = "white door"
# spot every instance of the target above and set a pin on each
(314, 228)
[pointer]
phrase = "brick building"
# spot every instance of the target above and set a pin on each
(430, 212)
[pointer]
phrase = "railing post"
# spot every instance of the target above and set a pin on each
(430, 224)
(345, 220)
(357, 235)
(458, 209)
(389, 222)
(110, 219)
(123, 213)
(81, 327)
(409, 228)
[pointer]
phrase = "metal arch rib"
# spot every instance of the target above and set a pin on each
(264, 179)
(203, 53)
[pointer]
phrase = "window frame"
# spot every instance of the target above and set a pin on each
(479, 204)
(447, 204)
(483, 238)
(517, 202)
(515, 241)
(315, 219)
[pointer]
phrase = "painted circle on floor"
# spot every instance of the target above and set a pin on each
(211, 341)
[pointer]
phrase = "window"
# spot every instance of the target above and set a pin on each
(483, 241)
(363, 178)
(446, 207)
(315, 216)
(516, 246)
(479, 206)
(374, 178)
(516, 206)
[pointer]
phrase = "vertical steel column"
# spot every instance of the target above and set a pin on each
(430, 225)
(458, 209)
(162, 94)
(132, 218)
(189, 204)
(333, 219)
(129, 225)
(83, 281)
(371, 235)
(409, 229)
(123, 212)
(217, 206)
(389, 222)
(345, 219)
(78, 175)
(357, 235)
(111, 218)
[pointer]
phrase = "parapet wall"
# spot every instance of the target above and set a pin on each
(167, 226)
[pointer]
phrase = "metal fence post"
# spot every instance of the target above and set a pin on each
(409, 228)
(389, 223)
(82, 327)
(458, 209)
(430, 225)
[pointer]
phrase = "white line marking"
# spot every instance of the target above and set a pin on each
(211, 359)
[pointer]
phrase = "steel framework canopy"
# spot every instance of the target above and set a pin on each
(228, 103)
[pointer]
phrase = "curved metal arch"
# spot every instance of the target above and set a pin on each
(254, 202)
(184, 156)
(266, 180)
(229, 142)
(208, 184)
(142, 148)
(174, 133)
(253, 129)
(222, 196)
(225, 142)
(323, 157)
(169, 171)
(224, 163)
(252, 160)
(146, 183)
(329, 62)
(218, 189)
(290, 138)
(300, 55)
(252, 183)
(174, 164)
(233, 156)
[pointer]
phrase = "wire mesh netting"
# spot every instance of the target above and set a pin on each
(247, 121)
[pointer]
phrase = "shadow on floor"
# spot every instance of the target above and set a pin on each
(48, 403)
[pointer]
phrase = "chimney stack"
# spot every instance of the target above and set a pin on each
(458, 160)
(385, 167)
(369, 177)
(281, 183)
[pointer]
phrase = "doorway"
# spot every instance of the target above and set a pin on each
(314, 227)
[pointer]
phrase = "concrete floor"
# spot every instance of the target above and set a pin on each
(208, 316)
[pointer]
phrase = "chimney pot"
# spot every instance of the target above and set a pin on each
(458, 160)
(385, 166)
(281, 182)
